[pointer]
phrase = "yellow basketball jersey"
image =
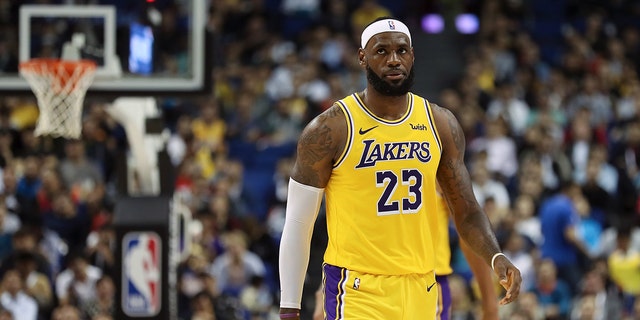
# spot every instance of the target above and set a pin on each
(382, 190)
(441, 236)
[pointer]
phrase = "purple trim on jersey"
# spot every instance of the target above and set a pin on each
(444, 299)
(347, 147)
(429, 110)
(334, 280)
(372, 115)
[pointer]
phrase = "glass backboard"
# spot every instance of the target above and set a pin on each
(140, 46)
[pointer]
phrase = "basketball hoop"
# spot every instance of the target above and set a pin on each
(60, 87)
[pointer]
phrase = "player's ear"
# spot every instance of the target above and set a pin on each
(362, 60)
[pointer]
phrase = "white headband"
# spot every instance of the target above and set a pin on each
(387, 25)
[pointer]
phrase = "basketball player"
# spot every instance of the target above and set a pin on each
(377, 156)
(481, 271)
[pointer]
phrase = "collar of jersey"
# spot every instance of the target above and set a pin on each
(385, 121)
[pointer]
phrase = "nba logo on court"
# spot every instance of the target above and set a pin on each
(141, 274)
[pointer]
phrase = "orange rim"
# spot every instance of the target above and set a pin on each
(61, 70)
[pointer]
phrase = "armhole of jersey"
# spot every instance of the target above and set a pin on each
(347, 146)
(432, 123)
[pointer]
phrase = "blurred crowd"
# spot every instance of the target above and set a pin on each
(552, 123)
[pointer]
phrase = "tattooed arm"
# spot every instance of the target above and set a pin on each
(321, 142)
(471, 222)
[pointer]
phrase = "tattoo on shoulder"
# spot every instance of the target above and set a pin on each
(318, 142)
(454, 127)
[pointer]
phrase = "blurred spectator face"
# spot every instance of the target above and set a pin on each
(74, 149)
(506, 92)
(547, 272)
(515, 242)
(202, 302)
(582, 206)
(623, 241)
(592, 170)
(587, 307)
(62, 205)
(183, 126)
(581, 129)
(106, 237)
(480, 174)
(6, 315)
(5, 138)
(66, 312)
(236, 244)
(29, 139)
(593, 282)
(219, 206)
(631, 37)
(78, 266)
(616, 49)
(531, 185)
(12, 282)
(528, 302)
(25, 241)
(50, 180)
(197, 262)
(209, 112)
(524, 207)
(9, 179)
(574, 191)
(496, 128)
(633, 133)
(590, 84)
(458, 290)
(105, 289)
(26, 266)
(31, 168)
(50, 162)
(210, 284)
(450, 99)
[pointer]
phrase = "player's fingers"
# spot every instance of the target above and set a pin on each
(512, 285)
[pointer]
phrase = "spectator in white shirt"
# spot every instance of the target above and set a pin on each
(234, 268)
(499, 149)
(508, 106)
(77, 283)
(484, 187)
(14, 299)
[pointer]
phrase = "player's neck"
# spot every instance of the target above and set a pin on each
(385, 106)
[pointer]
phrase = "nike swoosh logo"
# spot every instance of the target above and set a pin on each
(431, 286)
(365, 131)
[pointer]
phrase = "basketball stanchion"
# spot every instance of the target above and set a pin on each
(60, 87)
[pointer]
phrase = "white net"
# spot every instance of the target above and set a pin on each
(60, 88)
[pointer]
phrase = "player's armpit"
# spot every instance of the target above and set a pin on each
(320, 143)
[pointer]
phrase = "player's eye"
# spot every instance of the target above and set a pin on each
(381, 51)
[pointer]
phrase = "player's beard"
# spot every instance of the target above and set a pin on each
(390, 89)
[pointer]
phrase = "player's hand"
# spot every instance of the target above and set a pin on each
(510, 278)
(285, 314)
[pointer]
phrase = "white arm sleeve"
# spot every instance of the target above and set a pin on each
(303, 204)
